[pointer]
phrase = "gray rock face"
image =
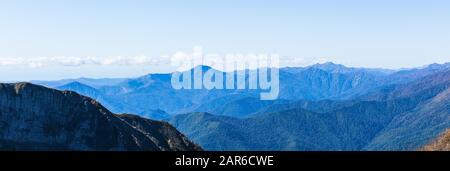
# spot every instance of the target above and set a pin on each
(37, 118)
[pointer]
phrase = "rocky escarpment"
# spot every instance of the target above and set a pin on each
(442, 143)
(38, 118)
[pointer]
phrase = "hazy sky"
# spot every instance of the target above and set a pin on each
(382, 33)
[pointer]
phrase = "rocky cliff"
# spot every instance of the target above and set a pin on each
(442, 143)
(38, 118)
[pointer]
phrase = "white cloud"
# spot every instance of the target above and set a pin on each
(180, 60)
(35, 62)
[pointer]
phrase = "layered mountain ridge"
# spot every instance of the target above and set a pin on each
(320, 107)
(405, 118)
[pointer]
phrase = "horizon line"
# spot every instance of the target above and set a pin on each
(307, 66)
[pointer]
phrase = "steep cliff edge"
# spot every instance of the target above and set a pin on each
(38, 118)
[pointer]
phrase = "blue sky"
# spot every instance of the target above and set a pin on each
(383, 33)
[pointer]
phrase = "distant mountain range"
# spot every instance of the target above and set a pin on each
(317, 82)
(321, 107)
(406, 118)
(96, 83)
(38, 118)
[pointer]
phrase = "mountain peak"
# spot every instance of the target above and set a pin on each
(203, 67)
(328, 64)
(76, 83)
(439, 66)
(339, 68)
(331, 67)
